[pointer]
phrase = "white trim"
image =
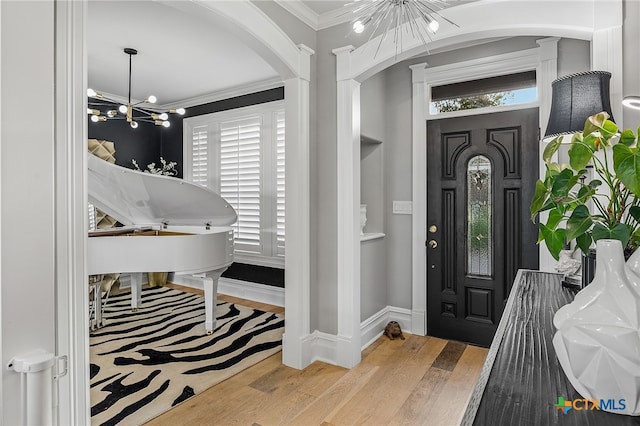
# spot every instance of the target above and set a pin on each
(300, 11)
(325, 347)
(72, 291)
(252, 291)
(336, 17)
(298, 211)
(419, 202)
(371, 236)
(245, 89)
(237, 288)
(348, 211)
(373, 327)
(315, 20)
(233, 92)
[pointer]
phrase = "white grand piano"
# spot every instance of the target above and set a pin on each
(170, 226)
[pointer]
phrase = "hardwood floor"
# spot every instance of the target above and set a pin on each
(417, 381)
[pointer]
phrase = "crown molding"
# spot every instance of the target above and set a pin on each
(335, 17)
(317, 21)
(232, 92)
(300, 11)
(245, 89)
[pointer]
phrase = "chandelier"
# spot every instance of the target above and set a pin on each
(419, 17)
(132, 112)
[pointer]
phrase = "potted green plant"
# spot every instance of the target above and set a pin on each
(585, 206)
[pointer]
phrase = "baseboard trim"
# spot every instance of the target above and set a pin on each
(243, 289)
(373, 327)
(324, 347)
(316, 346)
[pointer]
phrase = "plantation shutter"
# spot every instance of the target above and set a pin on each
(240, 178)
(92, 217)
(199, 155)
(280, 188)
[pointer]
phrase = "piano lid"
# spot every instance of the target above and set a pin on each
(137, 198)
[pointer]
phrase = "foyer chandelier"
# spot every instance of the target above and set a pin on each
(420, 17)
(132, 112)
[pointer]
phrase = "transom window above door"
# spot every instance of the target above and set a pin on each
(504, 90)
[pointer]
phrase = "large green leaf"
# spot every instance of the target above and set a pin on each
(563, 183)
(555, 216)
(551, 148)
(584, 242)
(538, 200)
(627, 138)
(579, 222)
(579, 155)
(619, 232)
(554, 239)
(626, 164)
(634, 211)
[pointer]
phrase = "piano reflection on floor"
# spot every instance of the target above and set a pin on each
(170, 226)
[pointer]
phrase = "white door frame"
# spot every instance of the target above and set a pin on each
(292, 62)
(600, 22)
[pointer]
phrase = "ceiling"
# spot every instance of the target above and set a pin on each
(182, 59)
(180, 56)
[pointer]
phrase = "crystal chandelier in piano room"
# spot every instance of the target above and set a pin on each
(132, 112)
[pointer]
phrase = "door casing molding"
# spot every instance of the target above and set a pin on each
(423, 79)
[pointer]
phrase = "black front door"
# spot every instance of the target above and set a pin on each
(481, 178)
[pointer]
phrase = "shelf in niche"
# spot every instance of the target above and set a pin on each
(366, 140)
(371, 236)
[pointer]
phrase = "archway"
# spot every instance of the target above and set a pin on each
(292, 62)
(477, 20)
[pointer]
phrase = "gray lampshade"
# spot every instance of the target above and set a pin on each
(575, 98)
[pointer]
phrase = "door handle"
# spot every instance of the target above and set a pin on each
(433, 244)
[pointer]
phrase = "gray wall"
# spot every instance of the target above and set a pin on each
(373, 262)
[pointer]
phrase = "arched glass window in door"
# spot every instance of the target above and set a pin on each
(479, 215)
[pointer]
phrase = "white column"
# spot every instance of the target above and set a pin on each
(606, 50)
(298, 245)
(71, 211)
(419, 196)
(546, 73)
(348, 207)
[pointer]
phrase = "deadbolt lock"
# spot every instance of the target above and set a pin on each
(433, 229)
(433, 244)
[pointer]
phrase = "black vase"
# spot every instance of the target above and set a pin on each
(588, 267)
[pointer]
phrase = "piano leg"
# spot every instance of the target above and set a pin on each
(136, 290)
(210, 286)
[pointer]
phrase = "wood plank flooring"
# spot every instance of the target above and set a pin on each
(417, 381)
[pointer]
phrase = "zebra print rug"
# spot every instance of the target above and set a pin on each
(145, 362)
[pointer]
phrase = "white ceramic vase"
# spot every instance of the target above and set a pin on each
(598, 337)
(363, 217)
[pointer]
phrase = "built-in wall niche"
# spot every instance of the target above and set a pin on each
(372, 186)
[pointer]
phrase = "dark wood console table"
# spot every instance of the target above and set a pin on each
(521, 379)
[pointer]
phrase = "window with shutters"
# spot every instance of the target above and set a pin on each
(241, 154)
